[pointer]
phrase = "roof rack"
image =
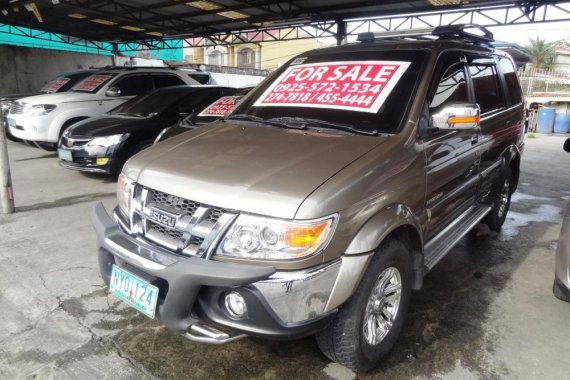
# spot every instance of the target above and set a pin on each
(459, 31)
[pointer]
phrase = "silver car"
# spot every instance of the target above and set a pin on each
(561, 286)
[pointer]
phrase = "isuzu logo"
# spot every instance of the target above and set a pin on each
(162, 217)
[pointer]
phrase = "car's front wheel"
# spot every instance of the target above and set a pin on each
(367, 326)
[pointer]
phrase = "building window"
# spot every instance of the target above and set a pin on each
(246, 58)
(215, 58)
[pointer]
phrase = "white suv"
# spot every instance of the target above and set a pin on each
(43, 118)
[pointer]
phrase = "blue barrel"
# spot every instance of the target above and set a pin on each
(562, 123)
(546, 120)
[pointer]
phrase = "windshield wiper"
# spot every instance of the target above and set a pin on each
(304, 123)
(277, 122)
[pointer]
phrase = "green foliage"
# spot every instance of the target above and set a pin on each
(541, 52)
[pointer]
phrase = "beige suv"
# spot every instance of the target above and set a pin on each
(324, 198)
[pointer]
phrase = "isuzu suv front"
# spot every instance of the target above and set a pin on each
(323, 199)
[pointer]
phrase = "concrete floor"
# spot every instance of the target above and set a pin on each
(486, 310)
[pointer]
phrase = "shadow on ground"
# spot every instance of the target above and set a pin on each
(445, 325)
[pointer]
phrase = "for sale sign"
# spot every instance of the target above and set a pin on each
(54, 85)
(92, 82)
(220, 107)
(361, 86)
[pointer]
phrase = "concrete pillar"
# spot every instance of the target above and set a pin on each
(6, 192)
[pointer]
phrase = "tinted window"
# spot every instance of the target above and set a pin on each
(452, 88)
(200, 78)
(74, 78)
(387, 119)
(134, 85)
(512, 81)
(166, 80)
(486, 86)
(150, 103)
(93, 83)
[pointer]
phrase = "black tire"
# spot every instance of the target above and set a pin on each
(344, 341)
(501, 202)
(560, 291)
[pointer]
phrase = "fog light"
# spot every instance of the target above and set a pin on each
(101, 161)
(235, 305)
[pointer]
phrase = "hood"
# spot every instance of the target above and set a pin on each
(256, 169)
(58, 98)
(112, 125)
(18, 96)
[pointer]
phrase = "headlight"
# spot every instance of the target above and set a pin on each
(124, 190)
(255, 237)
(108, 140)
(40, 109)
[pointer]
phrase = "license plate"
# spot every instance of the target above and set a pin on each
(64, 155)
(136, 292)
(11, 123)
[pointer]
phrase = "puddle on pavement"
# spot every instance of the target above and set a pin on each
(516, 220)
(518, 196)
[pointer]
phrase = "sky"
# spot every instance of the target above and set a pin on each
(520, 34)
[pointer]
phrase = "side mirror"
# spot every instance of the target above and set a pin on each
(457, 116)
(113, 92)
(567, 145)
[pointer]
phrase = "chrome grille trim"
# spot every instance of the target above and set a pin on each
(18, 108)
(184, 226)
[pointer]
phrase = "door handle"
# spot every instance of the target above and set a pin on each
(474, 139)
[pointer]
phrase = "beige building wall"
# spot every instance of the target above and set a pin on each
(268, 55)
(274, 54)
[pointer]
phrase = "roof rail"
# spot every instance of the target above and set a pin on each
(459, 31)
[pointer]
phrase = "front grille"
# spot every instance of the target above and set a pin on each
(70, 142)
(178, 224)
(169, 233)
(18, 108)
(184, 205)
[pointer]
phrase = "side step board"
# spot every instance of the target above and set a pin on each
(442, 243)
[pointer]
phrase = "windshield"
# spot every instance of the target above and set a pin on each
(365, 92)
(64, 82)
(149, 104)
(92, 83)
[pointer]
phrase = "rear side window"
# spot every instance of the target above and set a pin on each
(166, 80)
(513, 86)
(486, 87)
(134, 85)
(452, 88)
(200, 78)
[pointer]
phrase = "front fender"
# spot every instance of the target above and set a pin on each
(378, 227)
(61, 119)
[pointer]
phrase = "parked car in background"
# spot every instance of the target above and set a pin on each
(44, 118)
(61, 83)
(561, 286)
(104, 143)
(212, 112)
(325, 197)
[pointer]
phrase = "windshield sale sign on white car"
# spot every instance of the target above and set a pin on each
(353, 85)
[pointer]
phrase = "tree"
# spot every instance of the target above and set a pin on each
(541, 52)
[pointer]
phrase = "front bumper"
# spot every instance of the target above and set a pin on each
(191, 289)
(84, 158)
(31, 128)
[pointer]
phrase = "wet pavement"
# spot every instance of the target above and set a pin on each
(486, 310)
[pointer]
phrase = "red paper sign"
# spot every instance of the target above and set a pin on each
(92, 82)
(361, 86)
(220, 107)
(54, 85)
